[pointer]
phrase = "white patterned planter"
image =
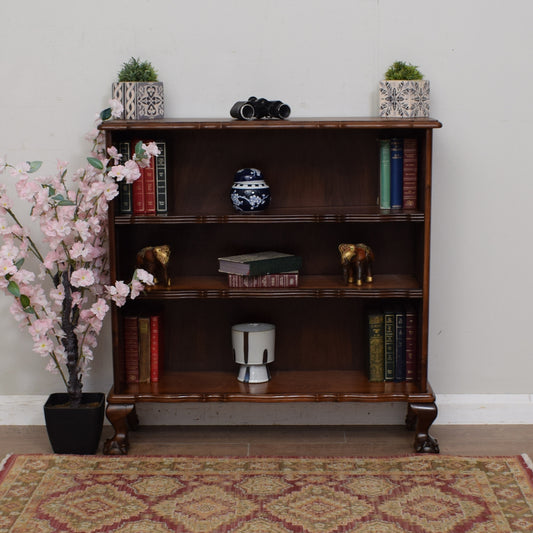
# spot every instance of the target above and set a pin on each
(404, 98)
(141, 99)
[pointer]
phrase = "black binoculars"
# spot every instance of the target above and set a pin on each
(259, 108)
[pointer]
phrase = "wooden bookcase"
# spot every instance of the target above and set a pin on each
(324, 179)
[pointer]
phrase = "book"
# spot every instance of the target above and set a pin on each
(149, 188)
(384, 174)
(144, 349)
(376, 352)
(156, 348)
(410, 173)
(131, 349)
(396, 173)
(281, 280)
(161, 179)
(399, 345)
(389, 342)
(125, 199)
(259, 263)
(411, 337)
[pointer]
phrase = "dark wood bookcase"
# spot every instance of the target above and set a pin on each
(324, 179)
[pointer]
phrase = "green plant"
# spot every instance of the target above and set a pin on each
(400, 70)
(135, 70)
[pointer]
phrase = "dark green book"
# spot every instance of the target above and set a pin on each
(257, 264)
(390, 343)
(376, 353)
(384, 174)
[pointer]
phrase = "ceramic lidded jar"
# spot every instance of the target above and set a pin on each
(249, 192)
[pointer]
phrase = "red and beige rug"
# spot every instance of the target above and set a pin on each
(418, 493)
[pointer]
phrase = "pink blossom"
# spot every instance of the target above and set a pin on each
(100, 308)
(116, 108)
(131, 171)
(136, 288)
(143, 276)
(113, 154)
(7, 268)
(43, 347)
(82, 278)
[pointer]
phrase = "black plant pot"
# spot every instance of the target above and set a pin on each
(75, 430)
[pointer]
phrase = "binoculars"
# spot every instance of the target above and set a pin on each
(259, 108)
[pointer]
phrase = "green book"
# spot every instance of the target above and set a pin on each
(376, 354)
(384, 174)
(390, 343)
(257, 264)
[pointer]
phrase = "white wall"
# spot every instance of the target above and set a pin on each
(325, 58)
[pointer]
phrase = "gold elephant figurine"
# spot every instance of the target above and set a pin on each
(356, 262)
(154, 259)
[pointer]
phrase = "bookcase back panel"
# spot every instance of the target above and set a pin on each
(195, 248)
(305, 168)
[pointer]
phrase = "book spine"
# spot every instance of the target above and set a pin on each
(384, 174)
(396, 173)
(411, 333)
(155, 348)
(137, 189)
(125, 201)
(274, 281)
(376, 350)
(399, 348)
(149, 188)
(410, 173)
(389, 344)
(161, 179)
(131, 349)
(144, 349)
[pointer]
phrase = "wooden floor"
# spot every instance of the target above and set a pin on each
(292, 440)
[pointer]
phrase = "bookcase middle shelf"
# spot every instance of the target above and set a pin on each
(319, 286)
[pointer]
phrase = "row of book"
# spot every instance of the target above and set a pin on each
(148, 194)
(398, 172)
(392, 344)
(143, 348)
(268, 269)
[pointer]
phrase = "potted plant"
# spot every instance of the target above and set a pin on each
(403, 93)
(56, 269)
(138, 90)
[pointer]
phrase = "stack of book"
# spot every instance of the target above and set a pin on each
(143, 348)
(148, 194)
(261, 270)
(398, 160)
(392, 344)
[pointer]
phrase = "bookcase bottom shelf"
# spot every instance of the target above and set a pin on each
(285, 386)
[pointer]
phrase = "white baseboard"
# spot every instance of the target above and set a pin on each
(453, 409)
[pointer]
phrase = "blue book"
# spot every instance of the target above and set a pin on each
(396, 173)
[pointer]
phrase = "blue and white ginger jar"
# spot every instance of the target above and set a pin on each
(249, 192)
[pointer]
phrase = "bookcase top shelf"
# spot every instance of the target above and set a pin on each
(280, 215)
(291, 123)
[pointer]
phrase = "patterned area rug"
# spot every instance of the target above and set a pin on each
(96, 494)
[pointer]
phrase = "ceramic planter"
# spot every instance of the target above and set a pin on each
(75, 430)
(404, 98)
(253, 349)
(141, 99)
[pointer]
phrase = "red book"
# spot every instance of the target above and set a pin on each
(410, 173)
(149, 188)
(131, 349)
(282, 280)
(411, 333)
(156, 348)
